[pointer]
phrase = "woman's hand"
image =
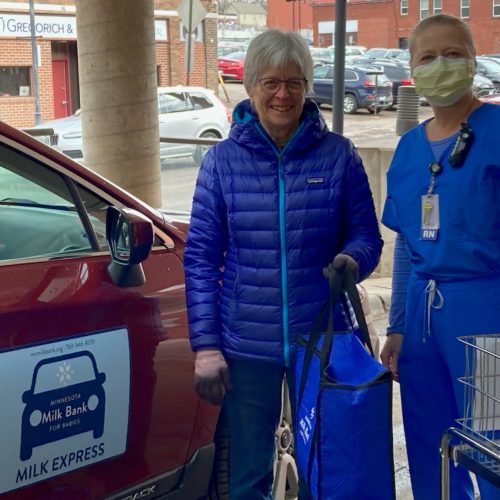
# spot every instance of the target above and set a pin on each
(211, 375)
(342, 262)
(390, 353)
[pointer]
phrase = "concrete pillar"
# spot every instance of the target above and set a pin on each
(117, 66)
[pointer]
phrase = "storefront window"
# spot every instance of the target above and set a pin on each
(15, 81)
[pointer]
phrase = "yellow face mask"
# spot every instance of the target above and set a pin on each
(443, 81)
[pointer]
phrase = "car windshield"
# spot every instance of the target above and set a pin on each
(63, 373)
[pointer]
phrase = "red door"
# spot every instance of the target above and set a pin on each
(60, 84)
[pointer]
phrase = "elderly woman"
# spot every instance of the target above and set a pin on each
(274, 204)
(443, 201)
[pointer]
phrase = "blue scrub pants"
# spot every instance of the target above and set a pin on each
(253, 405)
(431, 361)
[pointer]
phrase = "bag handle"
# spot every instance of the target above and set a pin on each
(354, 299)
(338, 283)
(335, 291)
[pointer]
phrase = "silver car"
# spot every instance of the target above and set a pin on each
(183, 112)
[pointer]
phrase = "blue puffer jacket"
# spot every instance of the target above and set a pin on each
(264, 223)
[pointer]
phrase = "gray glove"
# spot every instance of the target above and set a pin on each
(211, 375)
(342, 262)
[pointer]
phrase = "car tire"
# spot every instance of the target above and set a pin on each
(201, 150)
(219, 482)
(350, 104)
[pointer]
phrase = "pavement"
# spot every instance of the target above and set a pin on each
(379, 291)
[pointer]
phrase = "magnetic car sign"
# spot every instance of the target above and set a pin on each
(66, 406)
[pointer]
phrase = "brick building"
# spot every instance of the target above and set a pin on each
(57, 50)
(385, 23)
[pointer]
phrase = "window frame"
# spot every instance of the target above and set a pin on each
(464, 7)
(24, 80)
(422, 9)
(403, 7)
(495, 4)
(437, 10)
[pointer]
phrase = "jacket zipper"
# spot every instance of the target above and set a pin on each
(284, 275)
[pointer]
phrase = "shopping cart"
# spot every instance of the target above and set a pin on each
(475, 442)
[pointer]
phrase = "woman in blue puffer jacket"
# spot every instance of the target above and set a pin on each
(275, 204)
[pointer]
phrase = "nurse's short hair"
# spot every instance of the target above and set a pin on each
(274, 49)
(447, 20)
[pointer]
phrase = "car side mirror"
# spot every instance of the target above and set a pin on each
(130, 238)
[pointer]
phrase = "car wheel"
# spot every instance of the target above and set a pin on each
(350, 104)
(201, 150)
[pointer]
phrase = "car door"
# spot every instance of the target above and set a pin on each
(96, 379)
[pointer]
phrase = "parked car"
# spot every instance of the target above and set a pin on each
(94, 348)
(381, 53)
(94, 341)
(351, 50)
(482, 86)
(492, 98)
(490, 68)
(225, 48)
(321, 55)
(365, 87)
(184, 112)
(395, 71)
(404, 56)
(230, 66)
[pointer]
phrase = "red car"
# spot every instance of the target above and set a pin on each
(492, 98)
(231, 66)
(95, 362)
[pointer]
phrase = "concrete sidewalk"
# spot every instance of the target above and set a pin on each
(379, 290)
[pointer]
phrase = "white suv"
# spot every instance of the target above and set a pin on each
(183, 112)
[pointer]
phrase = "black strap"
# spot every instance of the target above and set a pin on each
(349, 285)
(338, 283)
(317, 330)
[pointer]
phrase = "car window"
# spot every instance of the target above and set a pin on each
(323, 72)
(397, 73)
(43, 213)
(200, 101)
(377, 79)
(350, 75)
(173, 102)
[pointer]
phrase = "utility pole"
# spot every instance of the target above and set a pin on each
(338, 70)
(34, 57)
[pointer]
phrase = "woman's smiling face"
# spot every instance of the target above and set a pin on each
(279, 112)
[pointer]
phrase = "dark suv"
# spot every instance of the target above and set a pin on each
(397, 72)
(365, 87)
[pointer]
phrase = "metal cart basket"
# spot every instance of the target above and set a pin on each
(475, 442)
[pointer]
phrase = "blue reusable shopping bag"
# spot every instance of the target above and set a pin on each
(344, 408)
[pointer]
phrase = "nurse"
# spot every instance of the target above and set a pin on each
(443, 200)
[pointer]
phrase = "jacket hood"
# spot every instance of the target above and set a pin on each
(246, 127)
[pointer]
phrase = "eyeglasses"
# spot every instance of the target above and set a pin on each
(293, 85)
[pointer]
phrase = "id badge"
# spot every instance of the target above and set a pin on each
(429, 227)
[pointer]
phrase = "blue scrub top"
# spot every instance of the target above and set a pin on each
(468, 245)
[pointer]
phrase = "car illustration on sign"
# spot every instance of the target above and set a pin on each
(66, 398)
